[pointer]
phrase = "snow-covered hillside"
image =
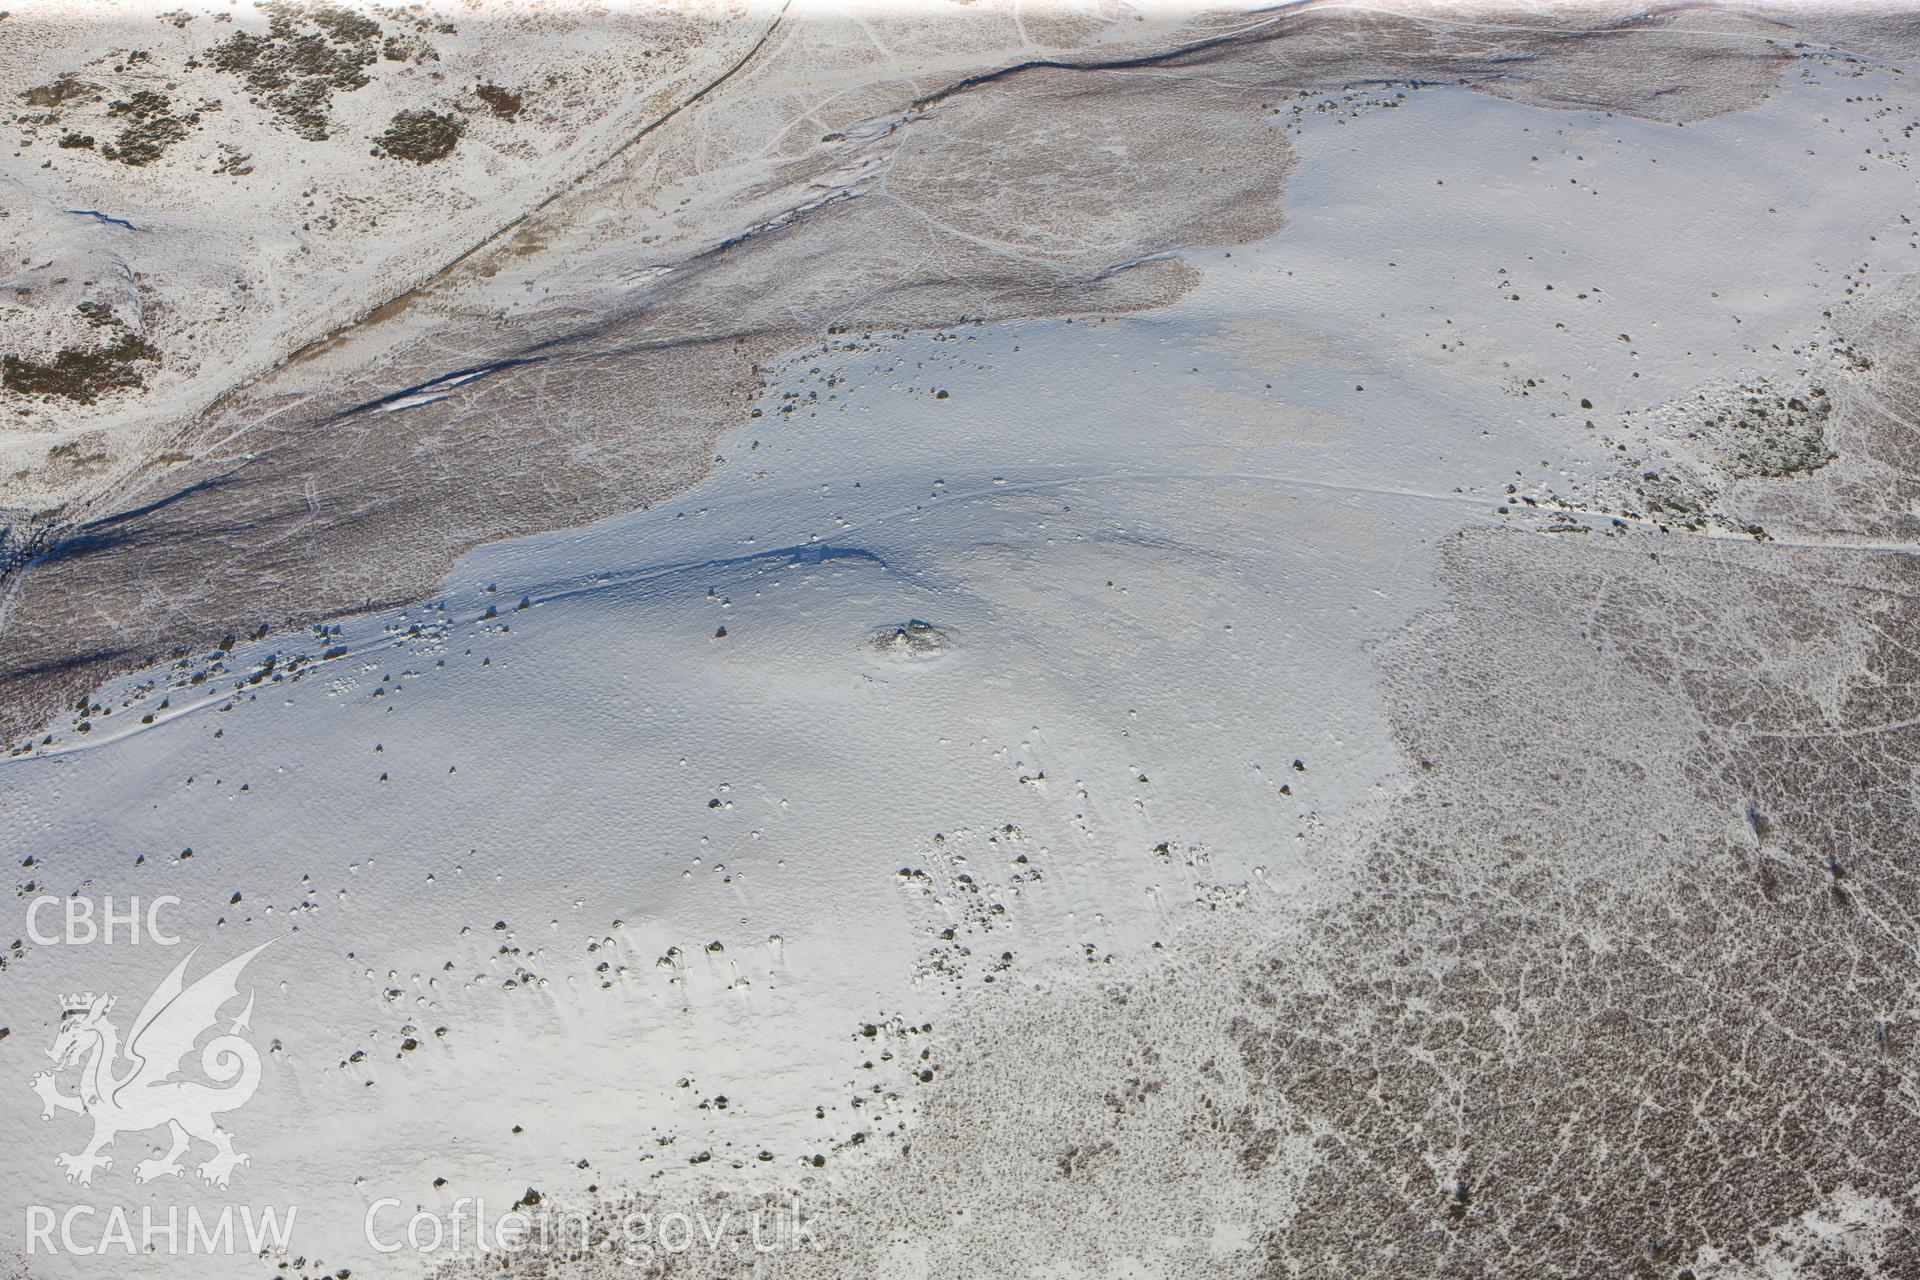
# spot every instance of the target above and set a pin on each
(1349, 719)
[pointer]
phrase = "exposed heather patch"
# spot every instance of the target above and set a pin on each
(152, 127)
(83, 374)
(421, 136)
(308, 53)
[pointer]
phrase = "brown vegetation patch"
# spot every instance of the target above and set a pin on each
(152, 127)
(63, 90)
(421, 136)
(309, 52)
(501, 101)
(81, 375)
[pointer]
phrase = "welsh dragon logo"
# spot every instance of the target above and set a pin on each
(150, 1092)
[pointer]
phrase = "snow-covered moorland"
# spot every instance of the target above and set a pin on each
(1273, 645)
